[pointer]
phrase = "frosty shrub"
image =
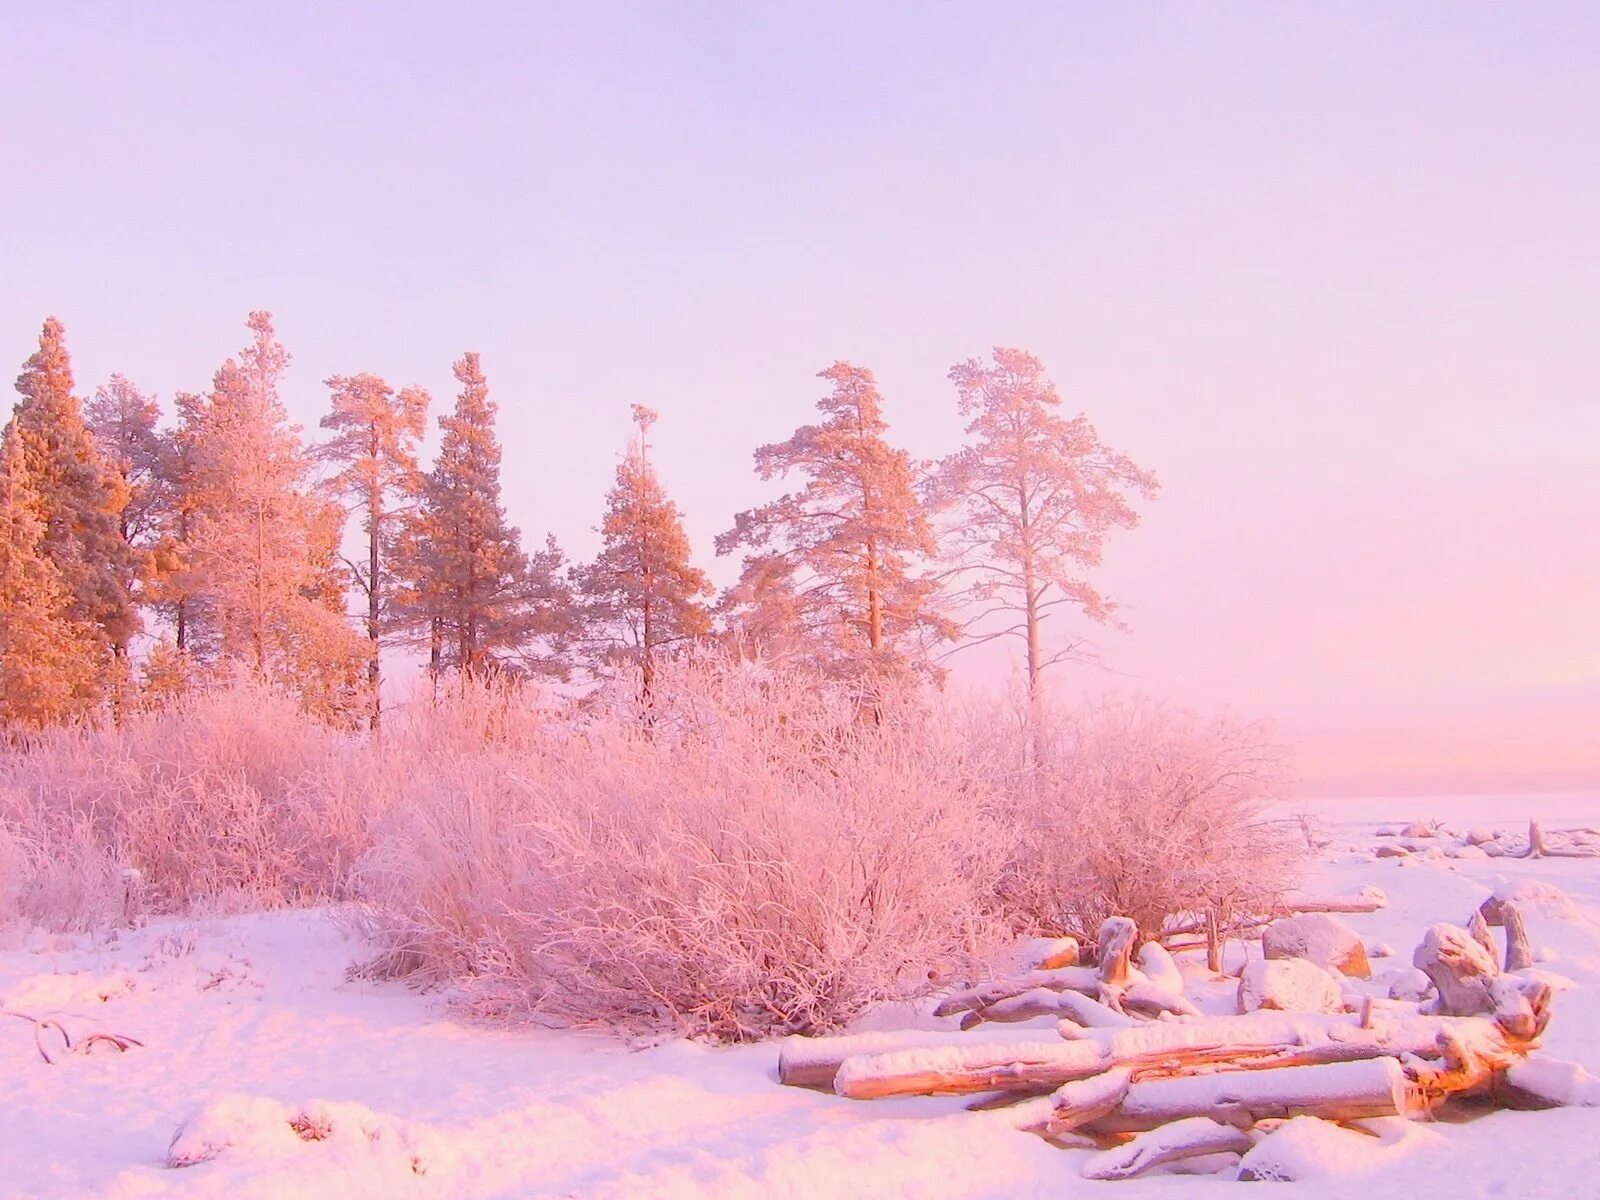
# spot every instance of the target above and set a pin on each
(1140, 809)
(232, 795)
(759, 853)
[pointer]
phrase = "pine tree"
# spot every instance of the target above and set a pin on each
(123, 421)
(51, 660)
(1031, 500)
(375, 447)
(834, 562)
(262, 553)
(81, 496)
(485, 604)
(641, 595)
(171, 586)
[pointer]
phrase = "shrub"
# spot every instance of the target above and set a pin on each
(231, 793)
(766, 853)
(1141, 809)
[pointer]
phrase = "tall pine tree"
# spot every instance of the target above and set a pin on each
(834, 563)
(375, 449)
(641, 596)
(485, 604)
(1030, 500)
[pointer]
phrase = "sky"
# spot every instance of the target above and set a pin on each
(1332, 271)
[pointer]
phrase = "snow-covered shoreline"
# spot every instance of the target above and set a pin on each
(254, 1019)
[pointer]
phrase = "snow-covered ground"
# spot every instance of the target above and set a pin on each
(253, 1024)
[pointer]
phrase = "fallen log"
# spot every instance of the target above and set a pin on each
(1081, 1010)
(1075, 979)
(1344, 1091)
(1260, 1040)
(1188, 1138)
(813, 1061)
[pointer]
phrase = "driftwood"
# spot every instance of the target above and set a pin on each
(1188, 1138)
(1538, 847)
(1468, 982)
(1253, 1041)
(1105, 993)
(1147, 1092)
(44, 1026)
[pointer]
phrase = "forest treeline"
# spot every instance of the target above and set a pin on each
(143, 553)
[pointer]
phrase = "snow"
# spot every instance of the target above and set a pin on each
(256, 1033)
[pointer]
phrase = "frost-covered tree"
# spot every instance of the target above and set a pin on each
(376, 432)
(834, 564)
(261, 549)
(485, 604)
(1029, 503)
(124, 423)
(642, 595)
(80, 494)
(171, 587)
(51, 658)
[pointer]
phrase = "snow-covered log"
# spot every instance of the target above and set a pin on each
(1341, 1091)
(1076, 979)
(813, 1061)
(1188, 1138)
(1042, 1002)
(1261, 1040)
(1540, 1082)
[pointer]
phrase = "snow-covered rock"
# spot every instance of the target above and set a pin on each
(1320, 938)
(1311, 1148)
(1289, 984)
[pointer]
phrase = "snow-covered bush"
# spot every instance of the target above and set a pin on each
(1140, 809)
(232, 794)
(765, 853)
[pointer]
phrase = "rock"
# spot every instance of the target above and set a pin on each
(1320, 938)
(1409, 984)
(1380, 950)
(1290, 985)
(1392, 852)
(1468, 850)
(1416, 830)
(1478, 835)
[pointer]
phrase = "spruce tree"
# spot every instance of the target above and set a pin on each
(80, 494)
(641, 596)
(51, 659)
(485, 604)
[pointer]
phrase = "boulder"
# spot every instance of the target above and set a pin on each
(1289, 985)
(1320, 938)
(1392, 852)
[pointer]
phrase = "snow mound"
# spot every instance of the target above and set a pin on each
(1537, 896)
(38, 994)
(1311, 1148)
(260, 1128)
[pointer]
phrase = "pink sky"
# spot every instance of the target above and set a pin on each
(1332, 271)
